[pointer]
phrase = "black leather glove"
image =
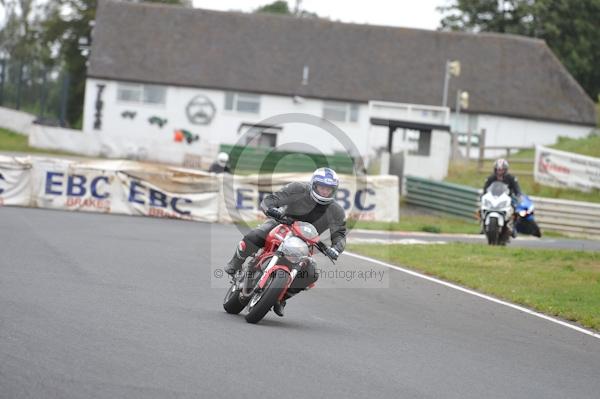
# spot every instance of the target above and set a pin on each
(275, 213)
(332, 253)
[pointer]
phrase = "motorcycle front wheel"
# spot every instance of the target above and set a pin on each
(493, 232)
(263, 301)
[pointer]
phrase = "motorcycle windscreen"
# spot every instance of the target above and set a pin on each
(498, 188)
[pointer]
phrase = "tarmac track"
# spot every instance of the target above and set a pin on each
(102, 306)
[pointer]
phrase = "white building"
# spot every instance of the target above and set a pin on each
(159, 75)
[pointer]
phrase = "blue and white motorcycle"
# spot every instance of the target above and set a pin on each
(525, 221)
(497, 213)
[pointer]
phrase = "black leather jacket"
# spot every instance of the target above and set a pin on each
(300, 206)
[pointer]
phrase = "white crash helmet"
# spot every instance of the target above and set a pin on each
(324, 177)
(222, 158)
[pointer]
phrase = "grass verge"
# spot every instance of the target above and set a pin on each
(14, 142)
(560, 283)
(426, 223)
(431, 224)
(467, 173)
(418, 223)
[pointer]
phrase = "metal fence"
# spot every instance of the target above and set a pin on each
(463, 201)
(567, 216)
(36, 89)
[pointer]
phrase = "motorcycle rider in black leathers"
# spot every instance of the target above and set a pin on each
(501, 174)
(312, 202)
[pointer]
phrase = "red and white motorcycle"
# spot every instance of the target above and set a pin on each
(265, 279)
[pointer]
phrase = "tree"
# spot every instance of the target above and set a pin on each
(66, 23)
(277, 7)
(20, 33)
(570, 28)
(505, 16)
(24, 58)
(281, 7)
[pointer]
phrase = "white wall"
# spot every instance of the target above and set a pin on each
(47, 137)
(17, 121)
(118, 133)
(436, 165)
(62, 139)
(120, 137)
(507, 131)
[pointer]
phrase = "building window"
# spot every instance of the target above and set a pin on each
(242, 102)
(154, 94)
(255, 135)
(340, 112)
(353, 112)
(129, 93)
(419, 141)
(139, 93)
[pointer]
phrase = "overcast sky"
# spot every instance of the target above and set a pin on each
(407, 13)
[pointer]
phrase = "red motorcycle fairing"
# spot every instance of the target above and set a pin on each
(273, 241)
(276, 237)
(308, 234)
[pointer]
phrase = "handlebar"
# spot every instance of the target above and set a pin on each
(284, 220)
(289, 221)
(323, 249)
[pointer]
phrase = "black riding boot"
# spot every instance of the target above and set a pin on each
(242, 251)
(234, 265)
(280, 305)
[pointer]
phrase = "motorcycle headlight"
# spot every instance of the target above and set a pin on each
(294, 249)
(503, 204)
(522, 213)
(487, 203)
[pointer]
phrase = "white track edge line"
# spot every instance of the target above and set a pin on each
(475, 293)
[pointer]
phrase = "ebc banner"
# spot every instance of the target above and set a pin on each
(15, 181)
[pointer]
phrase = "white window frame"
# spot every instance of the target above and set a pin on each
(242, 102)
(143, 91)
(129, 88)
(350, 111)
(162, 94)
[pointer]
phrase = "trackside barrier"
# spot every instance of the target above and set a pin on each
(452, 199)
(136, 188)
(568, 216)
(463, 201)
(247, 158)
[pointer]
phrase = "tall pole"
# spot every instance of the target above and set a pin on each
(297, 7)
(2, 77)
(457, 109)
(19, 86)
(44, 92)
(446, 79)
(64, 92)
(456, 127)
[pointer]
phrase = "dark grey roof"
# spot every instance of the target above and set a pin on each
(263, 53)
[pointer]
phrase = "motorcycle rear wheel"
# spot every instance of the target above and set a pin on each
(232, 303)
